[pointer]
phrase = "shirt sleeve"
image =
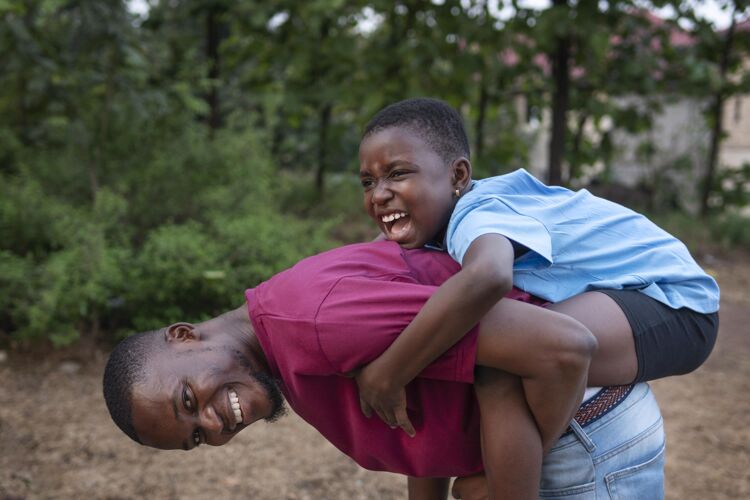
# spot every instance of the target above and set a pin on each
(362, 316)
(473, 218)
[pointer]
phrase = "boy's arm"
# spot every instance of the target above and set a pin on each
(457, 305)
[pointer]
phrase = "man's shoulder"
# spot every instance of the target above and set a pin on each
(378, 260)
(298, 291)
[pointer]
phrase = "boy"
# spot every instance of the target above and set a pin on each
(651, 308)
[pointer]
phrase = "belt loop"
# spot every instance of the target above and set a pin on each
(582, 436)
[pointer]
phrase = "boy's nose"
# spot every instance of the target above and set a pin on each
(381, 193)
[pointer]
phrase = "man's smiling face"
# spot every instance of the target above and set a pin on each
(198, 392)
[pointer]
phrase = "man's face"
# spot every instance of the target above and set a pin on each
(408, 188)
(197, 393)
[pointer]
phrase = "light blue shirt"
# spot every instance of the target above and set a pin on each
(577, 242)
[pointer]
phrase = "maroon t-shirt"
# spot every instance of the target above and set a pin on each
(336, 311)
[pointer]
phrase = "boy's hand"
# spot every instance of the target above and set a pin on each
(377, 393)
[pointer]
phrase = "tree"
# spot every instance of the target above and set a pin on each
(730, 61)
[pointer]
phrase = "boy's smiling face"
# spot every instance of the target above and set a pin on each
(409, 190)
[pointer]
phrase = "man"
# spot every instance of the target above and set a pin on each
(310, 327)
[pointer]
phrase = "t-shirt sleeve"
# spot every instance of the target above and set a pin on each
(362, 316)
(490, 215)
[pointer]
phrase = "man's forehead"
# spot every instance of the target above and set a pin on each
(154, 412)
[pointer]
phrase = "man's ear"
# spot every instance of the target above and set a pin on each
(461, 170)
(181, 332)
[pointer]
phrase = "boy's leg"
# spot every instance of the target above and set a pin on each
(640, 338)
(615, 361)
(511, 443)
(548, 350)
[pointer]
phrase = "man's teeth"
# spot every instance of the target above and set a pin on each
(392, 217)
(235, 401)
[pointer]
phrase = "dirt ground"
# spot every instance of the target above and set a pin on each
(56, 439)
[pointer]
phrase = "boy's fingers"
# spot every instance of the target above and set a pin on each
(403, 421)
(366, 409)
(389, 418)
(384, 417)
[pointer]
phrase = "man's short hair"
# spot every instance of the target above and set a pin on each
(125, 368)
(435, 121)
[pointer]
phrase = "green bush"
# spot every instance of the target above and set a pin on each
(719, 231)
(168, 278)
(733, 229)
(177, 236)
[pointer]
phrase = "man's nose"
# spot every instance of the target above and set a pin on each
(210, 420)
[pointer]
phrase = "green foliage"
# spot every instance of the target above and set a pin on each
(733, 229)
(152, 168)
(720, 231)
(191, 228)
(731, 190)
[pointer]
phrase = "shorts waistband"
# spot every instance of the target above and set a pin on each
(605, 401)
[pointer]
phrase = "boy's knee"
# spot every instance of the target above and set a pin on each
(577, 346)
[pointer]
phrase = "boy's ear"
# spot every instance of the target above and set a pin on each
(461, 169)
(181, 332)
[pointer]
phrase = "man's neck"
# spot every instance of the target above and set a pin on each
(237, 324)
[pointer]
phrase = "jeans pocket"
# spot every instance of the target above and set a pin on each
(568, 473)
(581, 492)
(644, 481)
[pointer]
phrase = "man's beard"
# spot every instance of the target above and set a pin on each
(271, 386)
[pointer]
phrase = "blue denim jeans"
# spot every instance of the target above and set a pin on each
(619, 456)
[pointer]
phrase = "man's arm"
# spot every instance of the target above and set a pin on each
(428, 488)
(457, 305)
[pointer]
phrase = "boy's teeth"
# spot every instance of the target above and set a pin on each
(392, 217)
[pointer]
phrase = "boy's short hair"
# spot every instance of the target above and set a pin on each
(126, 368)
(435, 121)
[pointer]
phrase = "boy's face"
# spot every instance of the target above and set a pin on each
(408, 188)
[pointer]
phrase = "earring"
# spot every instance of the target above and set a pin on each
(458, 193)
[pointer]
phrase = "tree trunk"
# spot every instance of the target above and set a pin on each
(216, 31)
(324, 121)
(396, 85)
(560, 98)
(717, 113)
(481, 115)
(575, 153)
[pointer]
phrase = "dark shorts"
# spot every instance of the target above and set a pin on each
(667, 341)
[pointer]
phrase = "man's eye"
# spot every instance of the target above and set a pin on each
(398, 173)
(186, 401)
(367, 183)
